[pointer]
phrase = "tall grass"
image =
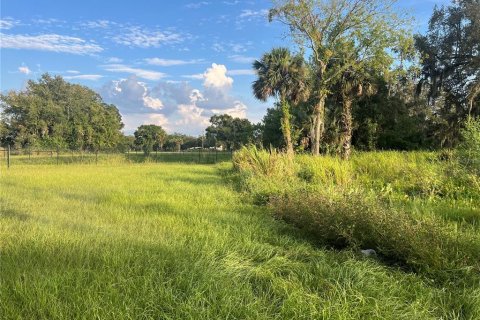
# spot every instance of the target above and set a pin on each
(172, 241)
(419, 210)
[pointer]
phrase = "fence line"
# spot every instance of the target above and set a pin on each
(57, 157)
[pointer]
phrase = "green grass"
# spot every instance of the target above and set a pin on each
(65, 157)
(175, 241)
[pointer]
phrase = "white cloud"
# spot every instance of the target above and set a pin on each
(73, 71)
(24, 70)
(241, 72)
(216, 77)
(192, 115)
(170, 62)
(114, 60)
(138, 37)
(197, 76)
(241, 59)
(196, 5)
(239, 110)
(152, 103)
(173, 104)
(8, 23)
(252, 14)
(98, 24)
(49, 42)
(141, 73)
(92, 77)
(134, 120)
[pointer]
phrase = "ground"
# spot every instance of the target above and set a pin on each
(176, 241)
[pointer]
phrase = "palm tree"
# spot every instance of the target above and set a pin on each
(283, 76)
(352, 85)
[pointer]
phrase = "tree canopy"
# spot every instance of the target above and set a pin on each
(52, 113)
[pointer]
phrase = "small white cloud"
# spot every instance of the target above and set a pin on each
(8, 23)
(114, 60)
(138, 37)
(141, 73)
(98, 24)
(49, 42)
(24, 70)
(92, 77)
(216, 77)
(197, 76)
(252, 14)
(241, 59)
(73, 71)
(196, 5)
(170, 62)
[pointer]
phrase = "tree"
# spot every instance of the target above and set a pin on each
(450, 53)
(284, 76)
(350, 30)
(230, 132)
(146, 136)
(53, 113)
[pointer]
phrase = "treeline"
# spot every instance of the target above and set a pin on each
(53, 113)
(366, 81)
(360, 80)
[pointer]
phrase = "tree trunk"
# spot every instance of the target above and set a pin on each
(319, 124)
(346, 127)
(286, 130)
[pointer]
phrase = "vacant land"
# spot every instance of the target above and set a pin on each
(176, 241)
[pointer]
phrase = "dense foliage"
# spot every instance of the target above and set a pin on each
(228, 132)
(419, 210)
(381, 89)
(52, 113)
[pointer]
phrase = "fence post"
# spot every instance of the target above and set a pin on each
(8, 157)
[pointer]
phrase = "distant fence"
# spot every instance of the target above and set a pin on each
(12, 157)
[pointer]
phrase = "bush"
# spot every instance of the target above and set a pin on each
(399, 203)
(350, 219)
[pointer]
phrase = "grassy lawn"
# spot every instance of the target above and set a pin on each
(174, 241)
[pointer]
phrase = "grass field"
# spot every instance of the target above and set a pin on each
(176, 241)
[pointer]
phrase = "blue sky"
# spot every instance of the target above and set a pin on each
(172, 63)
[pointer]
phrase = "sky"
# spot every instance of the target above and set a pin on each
(170, 63)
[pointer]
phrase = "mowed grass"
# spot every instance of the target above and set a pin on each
(175, 241)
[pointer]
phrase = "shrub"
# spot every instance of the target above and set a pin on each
(350, 219)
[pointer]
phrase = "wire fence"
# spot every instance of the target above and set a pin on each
(11, 157)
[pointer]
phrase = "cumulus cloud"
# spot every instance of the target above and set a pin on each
(131, 96)
(49, 42)
(134, 120)
(216, 77)
(175, 105)
(141, 73)
(153, 103)
(24, 70)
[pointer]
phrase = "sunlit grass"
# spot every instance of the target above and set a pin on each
(172, 241)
